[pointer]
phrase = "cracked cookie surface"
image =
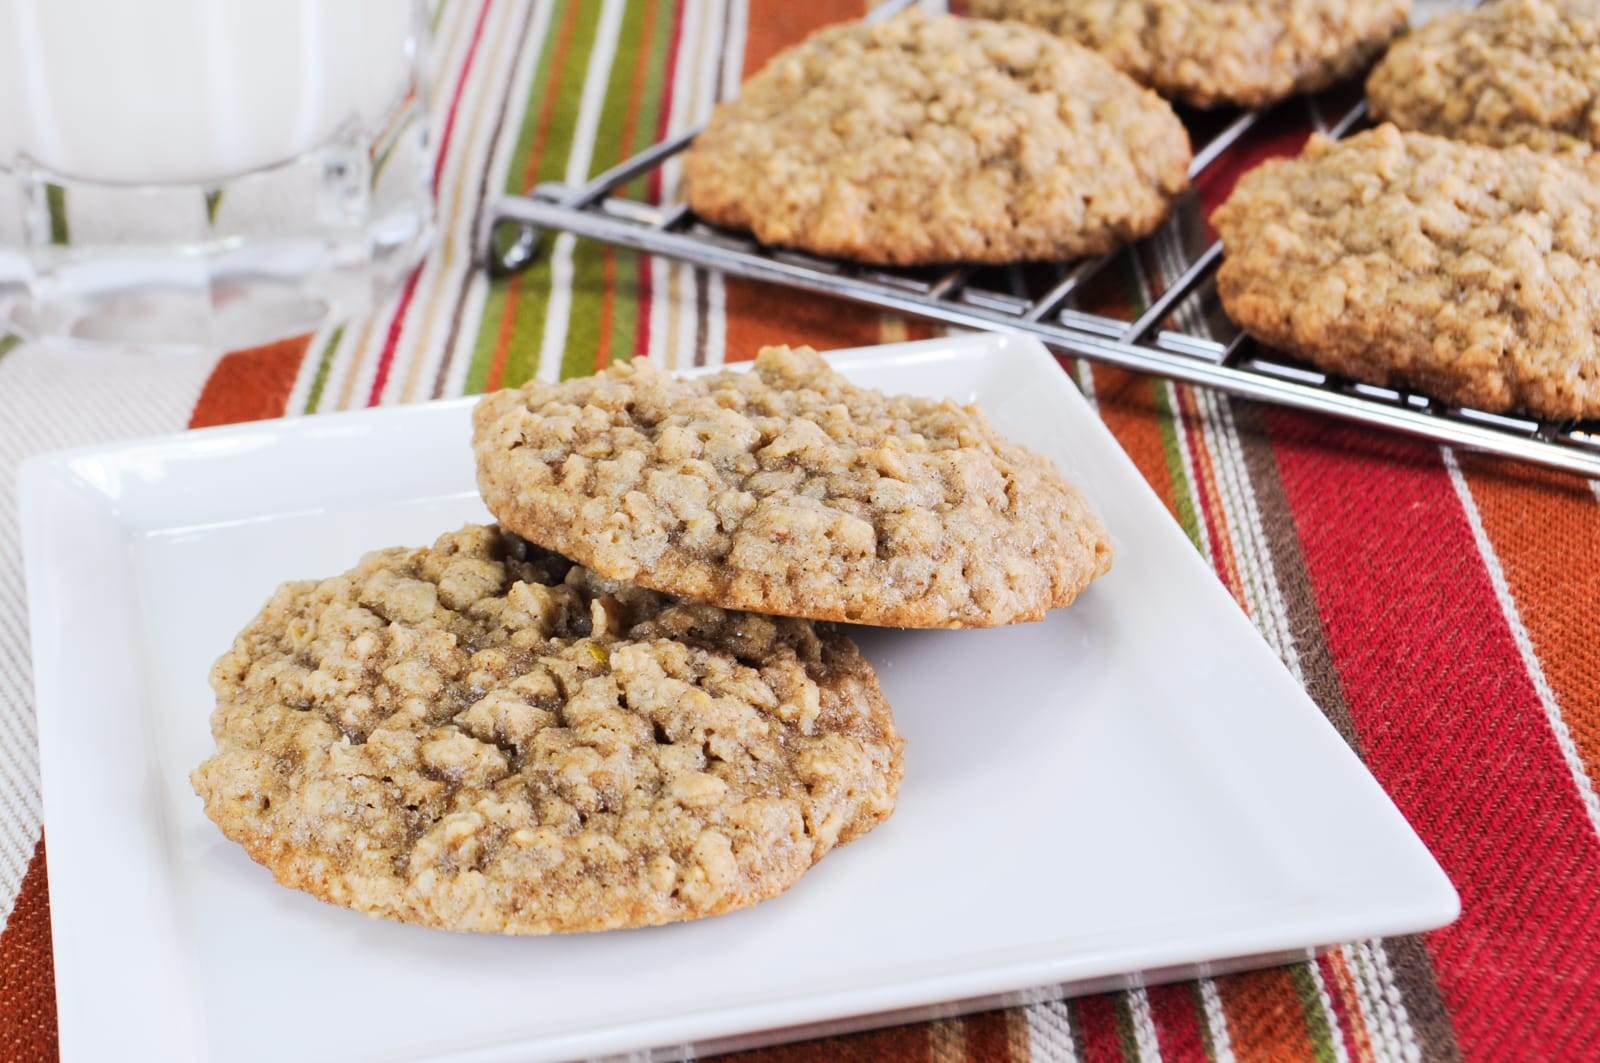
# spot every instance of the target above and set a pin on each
(1213, 52)
(1514, 72)
(1406, 260)
(482, 736)
(788, 490)
(928, 139)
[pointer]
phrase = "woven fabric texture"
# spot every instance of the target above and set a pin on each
(1441, 608)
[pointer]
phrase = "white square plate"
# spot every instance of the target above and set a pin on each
(1133, 790)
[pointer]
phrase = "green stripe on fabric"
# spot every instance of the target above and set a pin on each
(55, 204)
(1305, 986)
(324, 363)
(8, 343)
(644, 27)
(1183, 498)
(1204, 1020)
(1125, 1036)
(557, 92)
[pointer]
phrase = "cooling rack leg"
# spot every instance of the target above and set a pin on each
(510, 244)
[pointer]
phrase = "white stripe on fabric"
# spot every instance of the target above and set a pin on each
(1335, 1036)
(420, 345)
(1050, 1037)
(665, 303)
(559, 308)
(1144, 1026)
(476, 294)
(49, 399)
(1216, 1021)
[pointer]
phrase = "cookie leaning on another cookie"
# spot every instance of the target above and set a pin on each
(481, 736)
(788, 490)
(928, 139)
(1512, 72)
(1213, 52)
(1406, 260)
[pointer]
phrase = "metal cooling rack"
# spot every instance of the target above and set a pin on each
(1181, 334)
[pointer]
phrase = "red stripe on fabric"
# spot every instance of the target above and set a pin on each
(455, 98)
(1098, 1040)
(392, 336)
(391, 339)
(1175, 1010)
(1282, 132)
(1452, 728)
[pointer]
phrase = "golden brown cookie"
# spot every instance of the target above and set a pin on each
(788, 490)
(481, 736)
(1513, 72)
(1406, 260)
(928, 138)
(1213, 52)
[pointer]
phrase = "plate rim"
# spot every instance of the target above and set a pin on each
(1055, 972)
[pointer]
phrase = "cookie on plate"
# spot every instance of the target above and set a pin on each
(481, 736)
(1512, 72)
(1406, 260)
(788, 490)
(1213, 52)
(928, 138)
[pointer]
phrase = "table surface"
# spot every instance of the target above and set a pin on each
(1440, 607)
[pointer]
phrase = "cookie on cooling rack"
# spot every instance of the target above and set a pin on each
(1407, 260)
(928, 138)
(1213, 52)
(788, 490)
(482, 736)
(1512, 72)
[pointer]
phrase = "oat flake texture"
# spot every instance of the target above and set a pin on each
(1213, 52)
(1512, 72)
(928, 138)
(1401, 259)
(789, 490)
(482, 736)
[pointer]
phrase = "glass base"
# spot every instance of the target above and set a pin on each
(224, 265)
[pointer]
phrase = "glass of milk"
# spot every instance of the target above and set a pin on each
(208, 173)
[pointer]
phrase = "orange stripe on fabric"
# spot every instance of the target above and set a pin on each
(1128, 408)
(1266, 1020)
(1545, 528)
(988, 1037)
(250, 385)
(27, 973)
(761, 314)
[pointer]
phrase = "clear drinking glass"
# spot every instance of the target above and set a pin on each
(212, 173)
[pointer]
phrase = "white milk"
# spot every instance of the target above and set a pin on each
(192, 90)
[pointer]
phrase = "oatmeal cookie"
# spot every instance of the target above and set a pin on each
(1213, 52)
(928, 138)
(482, 736)
(788, 490)
(1403, 259)
(1513, 72)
